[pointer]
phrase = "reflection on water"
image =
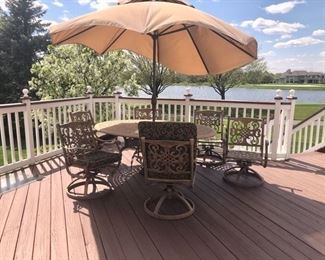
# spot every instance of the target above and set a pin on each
(205, 92)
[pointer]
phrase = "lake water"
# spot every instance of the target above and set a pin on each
(206, 92)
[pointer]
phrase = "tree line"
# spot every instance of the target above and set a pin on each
(28, 60)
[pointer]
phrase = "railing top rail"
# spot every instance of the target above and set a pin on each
(103, 97)
(208, 100)
(2, 106)
(57, 100)
(308, 118)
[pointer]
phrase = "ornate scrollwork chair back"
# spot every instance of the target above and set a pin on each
(168, 157)
(211, 150)
(82, 151)
(86, 116)
(245, 144)
(146, 113)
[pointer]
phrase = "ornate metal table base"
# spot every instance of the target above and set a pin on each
(209, 157)
(243, 176)
(171, 205)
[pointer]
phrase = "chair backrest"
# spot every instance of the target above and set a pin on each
(83, 116)
(77, 138)
(244, 131)
(211, 118)
(146, 113)
(168, 150)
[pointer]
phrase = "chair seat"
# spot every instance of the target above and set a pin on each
(97, 159)
(244, 155)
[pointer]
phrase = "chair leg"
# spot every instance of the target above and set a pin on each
(243, 176)
(161, 207)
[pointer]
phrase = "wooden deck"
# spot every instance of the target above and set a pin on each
(284, 219)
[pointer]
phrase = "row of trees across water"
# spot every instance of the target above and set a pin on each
(28, 59)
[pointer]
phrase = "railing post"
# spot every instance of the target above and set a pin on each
(289, 126)
(276, 126)
(188, 97)
(28, 125)
(117, 95)
(90, 95)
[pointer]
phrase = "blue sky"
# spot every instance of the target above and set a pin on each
(290, 34)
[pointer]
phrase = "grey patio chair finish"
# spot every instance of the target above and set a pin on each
(82, 151)
(210, 151)
(87, 116)
(168, 150)
(142, 114)
(246, 145)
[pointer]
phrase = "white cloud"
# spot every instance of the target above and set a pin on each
(64, 17)
(98, 4)
(269, 41)
(84, 2)
(304, 41)
(267, 54)
(322, 54)
(268, 26)
(41, 4)
(282, 8)
(319, 33)
(57, 3)
(286, 36)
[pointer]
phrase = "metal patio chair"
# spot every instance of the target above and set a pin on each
(210, 151)
(84, 159)
(169, 150)
(245, 145)
(142, 114)
(104, 139)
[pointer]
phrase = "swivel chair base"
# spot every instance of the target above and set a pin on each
(243, 176)
(161, 208)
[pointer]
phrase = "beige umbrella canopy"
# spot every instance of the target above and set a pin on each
(180, 37)
(183, 2)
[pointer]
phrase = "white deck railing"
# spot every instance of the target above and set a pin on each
(28, 132)
(309, 134)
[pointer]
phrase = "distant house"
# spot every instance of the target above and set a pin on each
(300, 77)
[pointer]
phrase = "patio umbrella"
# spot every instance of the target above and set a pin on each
(180, 37)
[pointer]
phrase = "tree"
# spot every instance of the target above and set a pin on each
(142, 68)
(256, 71)
(223, 82)
(66, 70)
(22, 37)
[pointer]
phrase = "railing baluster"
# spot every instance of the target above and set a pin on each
(3, 141)
(49, 132)
(18, 136)
(38, 152)
(11, 139)
(54, 128)
(43, 131)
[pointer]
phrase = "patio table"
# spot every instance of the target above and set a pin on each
(129, 129)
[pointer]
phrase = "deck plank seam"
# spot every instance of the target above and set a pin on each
(12, 201)
(275, 223)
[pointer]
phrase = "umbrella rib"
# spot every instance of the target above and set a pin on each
(197, 49)
(112, 42)
(76, 34)
(177, 30)
(232, 43)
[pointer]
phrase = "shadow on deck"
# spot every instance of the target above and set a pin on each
(284, 219)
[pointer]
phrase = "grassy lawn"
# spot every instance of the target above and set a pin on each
(303, 111)
(286, 86)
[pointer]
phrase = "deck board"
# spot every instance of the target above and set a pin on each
(284, 219)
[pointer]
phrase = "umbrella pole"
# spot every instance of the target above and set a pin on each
(154, 90)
